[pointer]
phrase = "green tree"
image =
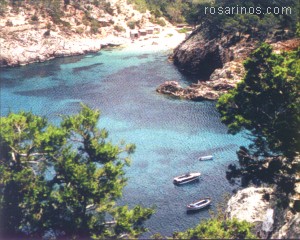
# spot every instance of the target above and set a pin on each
(63, 180)
(218, 229)
(266, 102)
(267, 105)
(3, 7)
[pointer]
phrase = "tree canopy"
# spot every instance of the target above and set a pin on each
(64, 180)
(218, 229)
(266, 103)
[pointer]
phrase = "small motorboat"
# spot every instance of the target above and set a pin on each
(186, 178)
(208, 157)
(202, 203)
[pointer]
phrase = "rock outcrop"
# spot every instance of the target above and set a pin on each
(39, 49)
(31, 34)
(221, 81)
(194, 51)
(249, 204)
(173, 88)
(198, 56)
(253, 205)
(291, 227)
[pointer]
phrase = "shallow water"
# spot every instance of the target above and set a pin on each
(170, 134)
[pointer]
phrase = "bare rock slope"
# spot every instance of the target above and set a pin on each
(31, 34)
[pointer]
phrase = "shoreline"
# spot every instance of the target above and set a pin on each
(13, 54)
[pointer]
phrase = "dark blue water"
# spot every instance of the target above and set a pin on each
(169, 134)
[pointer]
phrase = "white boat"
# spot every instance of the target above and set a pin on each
(202, 203)
(188, 177)
(208, 157)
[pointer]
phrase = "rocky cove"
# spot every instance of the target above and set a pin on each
(31, 35)
(221, 63)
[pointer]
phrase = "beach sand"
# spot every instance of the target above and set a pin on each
(168, 38)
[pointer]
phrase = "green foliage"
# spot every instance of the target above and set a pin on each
(3, 7)
(161, 22)
(183, 30)
(80, 30)
(267, 105)
(131, 24)
(139, 5)
(218, 229)
(119, 28)
(63, 179)
(266, 102)
(95, 25)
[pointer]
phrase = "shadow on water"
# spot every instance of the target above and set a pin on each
(86, 68)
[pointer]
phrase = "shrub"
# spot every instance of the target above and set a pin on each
(79, 30)
(183, 30)
(119, 28)
(96, 3)
(66, 24)
(9, 23)
(94, 26)
(48, 26)
(131, 24)
(161, 22)
(47, 33)
(34, 18)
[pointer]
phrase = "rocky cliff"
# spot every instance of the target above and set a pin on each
(258, 206)
(194, 56)
(32, 34)
(199, 56)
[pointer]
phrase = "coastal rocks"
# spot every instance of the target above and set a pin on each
(253, 205)
(198, 93)
(200, 56)
(24, 41)
(196, 56)
(291, 228)
(249, 204)
(221, 81)
(34, 47)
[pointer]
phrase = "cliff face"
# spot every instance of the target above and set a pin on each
(30, 34)
(219, 62)
(199, 56)
(260, 207)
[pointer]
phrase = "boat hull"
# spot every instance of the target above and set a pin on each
(205, 158)
(187, 178)
(187, 181)
(192, 207)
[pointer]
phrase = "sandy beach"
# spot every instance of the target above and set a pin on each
(167, 39)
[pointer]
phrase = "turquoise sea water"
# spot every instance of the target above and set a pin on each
(170, 134)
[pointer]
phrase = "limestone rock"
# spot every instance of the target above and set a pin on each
(221, 81)
(197, 55)
(23, 41)
(291, 228)
(195, 93)
(249, 204)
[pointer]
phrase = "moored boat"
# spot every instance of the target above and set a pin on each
(208, 157)
(186, 178)
(202, 203)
